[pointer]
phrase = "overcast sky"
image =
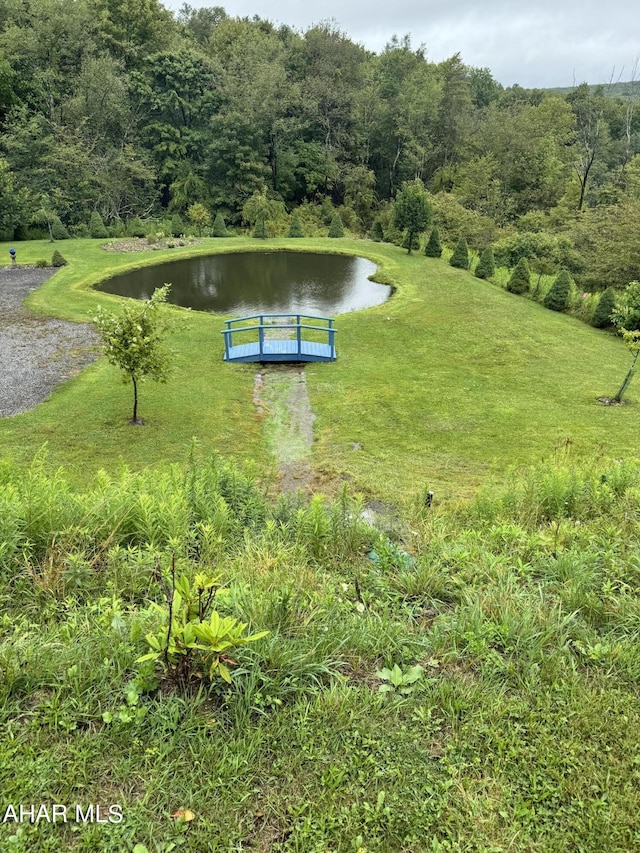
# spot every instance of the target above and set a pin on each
(536, 43)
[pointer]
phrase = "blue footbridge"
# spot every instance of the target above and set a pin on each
(279, 337)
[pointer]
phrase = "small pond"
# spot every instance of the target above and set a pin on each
(260, 282)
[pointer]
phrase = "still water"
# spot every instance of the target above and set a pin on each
(260, 282)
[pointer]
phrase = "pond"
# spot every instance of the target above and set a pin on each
(260, 282)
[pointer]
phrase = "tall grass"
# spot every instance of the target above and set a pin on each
(519, 606)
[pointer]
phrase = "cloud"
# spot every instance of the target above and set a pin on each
(546, 44)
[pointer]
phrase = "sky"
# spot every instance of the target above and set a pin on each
(535, 44)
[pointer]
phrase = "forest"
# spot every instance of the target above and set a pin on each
(124, 109)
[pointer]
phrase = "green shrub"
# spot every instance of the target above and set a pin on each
(295, 228)
(433, 249)
(96, 226)
(118, 229)
(376, 233)
(557, 299)
(57, 260)
(602, 315)
(520, 277)
(58, 231)
(460, 257)
(41, 264)
(336, 229)
(260, 229)
(486, 265)
(219, 226)
(135, 228)
(415, 242)
(626, 314)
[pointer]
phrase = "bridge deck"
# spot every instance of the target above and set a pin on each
(280, 341)
(282, 351)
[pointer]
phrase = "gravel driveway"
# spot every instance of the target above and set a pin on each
(36, 353)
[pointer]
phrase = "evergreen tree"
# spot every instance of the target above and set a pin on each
(557, 299)
(220, 226)
(602, 315)
(177, 225)
(486, 265)
(57, 260)
(97, 229)
(260, 228)
(460, 257)
(58, 231)
(520, 277)
(295, 227)
(336, 229)
(376, 233)
(327, 211)
(412, 211)
(433, 249)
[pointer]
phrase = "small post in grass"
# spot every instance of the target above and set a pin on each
(12, 252)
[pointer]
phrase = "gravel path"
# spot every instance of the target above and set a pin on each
(36, 353)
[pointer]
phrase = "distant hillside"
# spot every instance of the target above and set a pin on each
(611, 90)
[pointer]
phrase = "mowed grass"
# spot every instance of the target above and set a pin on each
(449, 383)
(455, 380)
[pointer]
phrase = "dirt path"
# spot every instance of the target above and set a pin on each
(36, 353)
(281, 398)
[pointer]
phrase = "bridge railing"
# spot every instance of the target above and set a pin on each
(298, 325)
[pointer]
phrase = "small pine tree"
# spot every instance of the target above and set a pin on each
(295, 227)
(136, 228)
(260, 229)
(220, 226)
(57, 260)
(376, 233)
(97, 229)
(415, 242)
(177, 225)
(520, 277)
(602, 315)
(58, 231)
(460, 257)
(433, 249)
(327, 211)
(486, 265)
(336, 229)
(557, 299)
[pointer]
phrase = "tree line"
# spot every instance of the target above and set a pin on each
(121, 108)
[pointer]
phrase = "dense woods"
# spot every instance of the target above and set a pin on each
(121, 109)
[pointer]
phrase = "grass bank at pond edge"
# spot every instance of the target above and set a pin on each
(450, 382)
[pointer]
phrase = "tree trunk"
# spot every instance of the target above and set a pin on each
(627, 380)
(134, 419)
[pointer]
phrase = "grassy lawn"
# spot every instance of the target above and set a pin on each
(449, 383)
(503, 629)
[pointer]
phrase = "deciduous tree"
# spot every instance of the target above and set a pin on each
(134, 342)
